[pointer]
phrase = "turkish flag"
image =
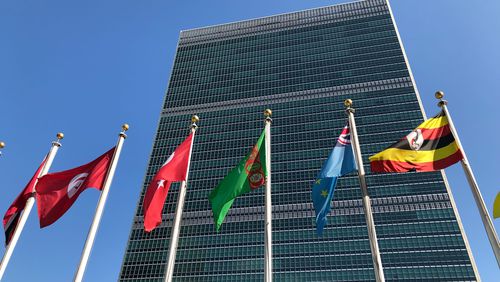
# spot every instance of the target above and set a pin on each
(174, 169)
(56, 192)
(11, 217)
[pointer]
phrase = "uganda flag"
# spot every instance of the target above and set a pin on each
(431, 146)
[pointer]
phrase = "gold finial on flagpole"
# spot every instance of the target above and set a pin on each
(348, 103)
(125, 127)
(2, 144)
(268, 113)
(194, 120)
(59, 136)
(439, 95)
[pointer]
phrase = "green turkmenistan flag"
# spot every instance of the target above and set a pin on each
(249, 175)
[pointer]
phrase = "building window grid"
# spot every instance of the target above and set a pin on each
(368, 30)
(429, 228)
(232, 92)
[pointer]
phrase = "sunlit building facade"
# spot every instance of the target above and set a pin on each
(303, 66)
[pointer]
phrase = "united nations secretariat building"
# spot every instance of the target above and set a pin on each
(302, 65)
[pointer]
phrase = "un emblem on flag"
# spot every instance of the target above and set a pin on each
(415, 139)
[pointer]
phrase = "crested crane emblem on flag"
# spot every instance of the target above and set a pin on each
(429, 147)
(415, 139)
(253, 167)
(76, 183)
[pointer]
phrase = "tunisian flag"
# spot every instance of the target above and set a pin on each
(174, 169)
(11, 217)
(56, 192)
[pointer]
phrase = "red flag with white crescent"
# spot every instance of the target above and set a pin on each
(56, 192)
(173, 170)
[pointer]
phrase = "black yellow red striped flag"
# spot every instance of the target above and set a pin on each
(431, 146)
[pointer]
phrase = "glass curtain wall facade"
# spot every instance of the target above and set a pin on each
(303, 66)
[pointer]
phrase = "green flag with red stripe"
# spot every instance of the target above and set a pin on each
(249, 175)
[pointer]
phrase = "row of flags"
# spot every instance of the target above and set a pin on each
(56, 192)
(431, 146)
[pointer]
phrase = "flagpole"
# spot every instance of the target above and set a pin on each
(2, 145)
(174, 236)
(367, 207)
(100, 206)
(483, 211)
(268, 266)
(29, 205)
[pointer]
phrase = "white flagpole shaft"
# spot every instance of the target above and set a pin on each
(27, 208)
(100, 207)
(268, 264)
(483, 211)
(367, 207)
(176, 228)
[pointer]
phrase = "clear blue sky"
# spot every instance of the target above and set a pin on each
(86, 67)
